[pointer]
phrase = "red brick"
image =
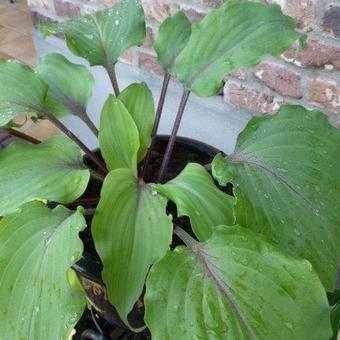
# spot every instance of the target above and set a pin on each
(317, 54)
(38, 17)
(326, 94)
(149, 39)
(243, 96)
(128, 56)
(109, 3)
(193, 14)
(331, 21)
(66, 8)
(156, 10)
(280, 79)
(213, 3)
(239, 74)
(149, 63)
(303, 11)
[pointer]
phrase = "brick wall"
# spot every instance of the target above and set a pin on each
(313, 80)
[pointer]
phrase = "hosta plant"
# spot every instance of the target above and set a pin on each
(253, 265)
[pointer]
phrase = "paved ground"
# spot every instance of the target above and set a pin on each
(15, 32)
(16, 43)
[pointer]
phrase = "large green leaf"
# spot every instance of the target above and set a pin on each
(37, 248)
(53, 170)
(103, 36)
(196, 195)
(118, 136)
(286, 175)
(131, 232)
(235, 286)
(138, 100)
(70, 85)
(21, 91)
(174, 34)
(239, 34)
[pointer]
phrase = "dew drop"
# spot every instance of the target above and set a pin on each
(297, 232)
(76, 180)
(289, 325)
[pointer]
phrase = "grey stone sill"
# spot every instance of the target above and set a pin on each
(210, 120)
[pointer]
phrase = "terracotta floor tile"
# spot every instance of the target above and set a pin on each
(18, 47)
(29, 57)
(41, 130)
(7, 35)
(20, 5)
(5, 56)
(18, 20)
(16, 43)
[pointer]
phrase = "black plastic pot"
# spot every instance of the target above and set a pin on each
(89, 267)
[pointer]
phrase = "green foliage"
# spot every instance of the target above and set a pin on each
(138, 100)
(174, 34)
(235, 286)
(258, 281)
(103, 36)
(37, 246)
(132, 216)
(21, 91)
(285, 171)
(118, 136)
(196, 196)
(239, 34)
(70, 85)
(53, 170)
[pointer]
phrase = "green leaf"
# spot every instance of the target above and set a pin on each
(196, 196)
(138, 100)
(238, 34)
(285, 170)
(335, 320)
(21, 91)
(103, 36)
(174, 34)
(235, 286)
(118, 136)
(37, 247)
(70, 85)
(53, 170)
(131, 232)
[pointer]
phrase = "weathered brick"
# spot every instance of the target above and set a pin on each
(38, 17)
(316, 54)
(331, 20)
(156, 10)
(326, 94)
(280, 79)
(149, 63)
(213, 3)
(243, 96)
(66, 8)
(128, 56)
(193, 14)
(41, 4)
(149, 39)
(303, 11)
(239, 74)
(110, 3)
